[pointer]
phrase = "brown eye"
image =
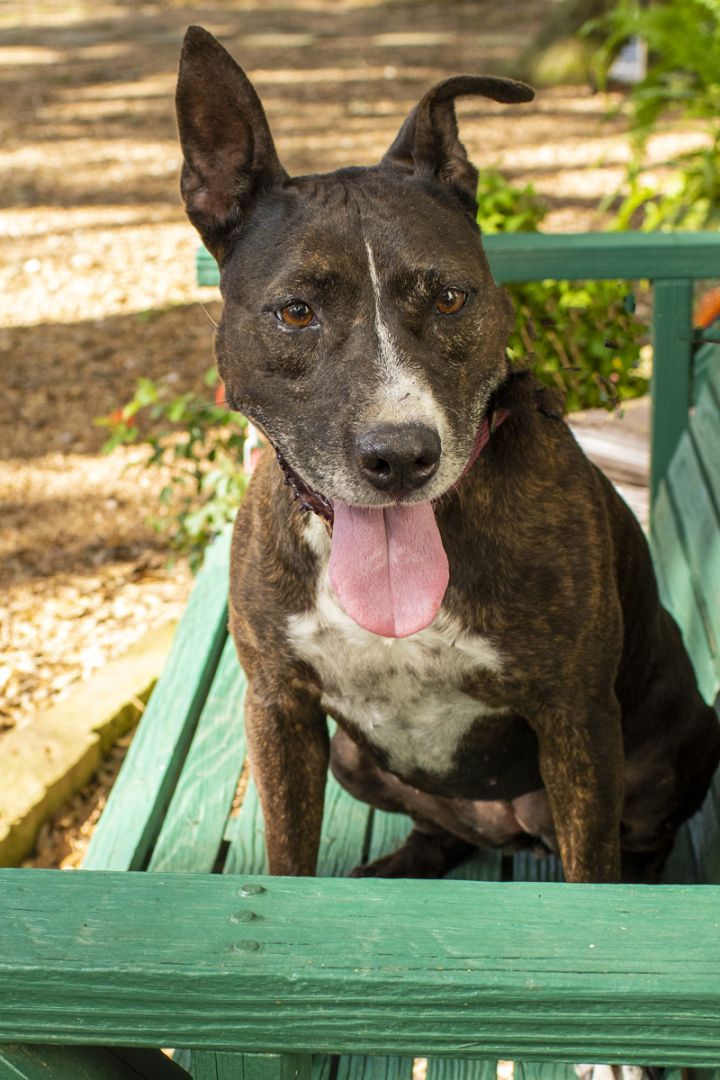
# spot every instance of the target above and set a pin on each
(296, 314)
(450, 301)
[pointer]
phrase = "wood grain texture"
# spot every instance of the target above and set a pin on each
(592, 256)
(225, 1066)
(85, 1063)
(329, 965)
(388, 831)
(705, 834)
(342, 841)
(672, 357)
(193, 828)
(705, 430)
(137, 802)
(700, 529)
(354, 1067)
(526, 867)
(677, 592)
(705, 362)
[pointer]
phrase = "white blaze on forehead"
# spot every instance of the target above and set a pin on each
(402, 397)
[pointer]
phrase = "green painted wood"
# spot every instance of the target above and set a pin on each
(192, 831)
(682, 865)
(590, 256)
(526, 867)
(633, 975)
(209, 1066)
(602, 256)
(137, 803)
(225, 1066)
(545, 1070)
(700, 529)
(19, 1062)
(276, 1067)
(152, 1064)
(468, 1069)
(704, 830)
(706, 362)
(388, 832)
(705, 431)
(342, 842)
(354, 1067)
(677, 593)
(672, 358)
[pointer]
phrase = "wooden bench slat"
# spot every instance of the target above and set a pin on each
(677, 592)
(705, 429)
(379, 1067)
(19, 1062)
(700, 530)
(345, 824)
(139, 798)
(471, 1069)
(193, 828)
(705, 363)
(224, 1066)
(388, 832)
(544, 1070)
(704, 831)
(326, 962)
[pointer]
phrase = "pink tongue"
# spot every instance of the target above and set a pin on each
(388, 567)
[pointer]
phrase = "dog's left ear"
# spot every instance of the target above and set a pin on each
(228, 149)
(428, 143)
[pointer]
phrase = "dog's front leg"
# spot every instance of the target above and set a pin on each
(288, 747)
(581, 764)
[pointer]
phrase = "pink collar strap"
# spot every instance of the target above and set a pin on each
(486, 429)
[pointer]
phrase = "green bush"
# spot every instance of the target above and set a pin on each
(682, 83)
(199, 444)
(582, 339)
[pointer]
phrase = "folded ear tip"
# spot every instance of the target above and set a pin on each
(198, 39)
(523, 91)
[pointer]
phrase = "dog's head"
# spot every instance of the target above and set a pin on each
(362, 330)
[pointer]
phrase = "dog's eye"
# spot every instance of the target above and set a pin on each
(296, 314)
(450, 301)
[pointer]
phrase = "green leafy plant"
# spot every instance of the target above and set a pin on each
(199, 443)
(581, 339)
(682, 84)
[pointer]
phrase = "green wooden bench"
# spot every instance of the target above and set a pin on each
(172, 936)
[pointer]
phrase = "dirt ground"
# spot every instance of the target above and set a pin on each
(96, 257)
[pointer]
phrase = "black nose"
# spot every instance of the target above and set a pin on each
(398, 458)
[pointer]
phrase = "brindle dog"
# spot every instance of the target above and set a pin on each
(457, 585)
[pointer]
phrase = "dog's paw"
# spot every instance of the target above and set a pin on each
(618, 1072)
(388, 866)
(423, 855)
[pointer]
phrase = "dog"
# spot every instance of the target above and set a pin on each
(428, 556)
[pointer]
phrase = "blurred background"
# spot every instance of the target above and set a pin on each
(101, 316)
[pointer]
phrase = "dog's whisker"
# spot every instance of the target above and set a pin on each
(216, 325)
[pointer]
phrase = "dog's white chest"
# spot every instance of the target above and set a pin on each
(405, 695)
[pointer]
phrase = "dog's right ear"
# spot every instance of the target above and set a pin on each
(229, 153)
(428, 143)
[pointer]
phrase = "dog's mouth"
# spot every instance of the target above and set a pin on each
(388, 567)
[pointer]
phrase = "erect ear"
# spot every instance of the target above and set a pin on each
(428, 142)
(227, 146)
